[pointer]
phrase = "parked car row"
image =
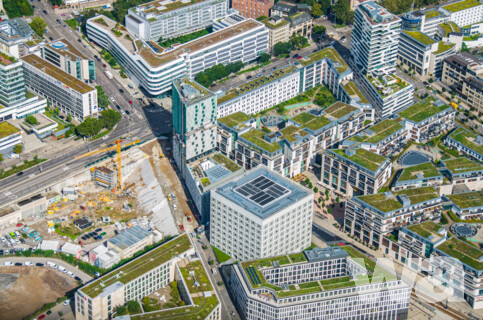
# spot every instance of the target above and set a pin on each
(96, 235)
(39, 264)
(12, 251)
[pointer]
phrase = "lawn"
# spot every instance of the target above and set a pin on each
(363, 157)
(462, 251)
(230, 165)
(234, 119)
(220, 255)
(354, 253)
(426, 169)
(423, 110)
(467, 200)
(256, 137)
(297, 257)
(71, 23)
(425, 229)
(461, 165)
(200, 278)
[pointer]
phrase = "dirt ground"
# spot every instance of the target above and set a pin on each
(35, 286)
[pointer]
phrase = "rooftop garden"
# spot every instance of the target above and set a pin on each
(280, 23)
(352, 90)
(467, 138)
(293, 133)
(6, 59)
(391, 203)
(139, 266)
(467, 200)
(422, 110)
(356, 254)
(426, 169)
(364, 158)
(7, 129)
(392, 84)
(311, 122)
(200, 277)
(185, 38)
(464, 252)
(339, 110)
(381, 131)
(227, 163)
(426, 229)
(462, 5)
(256, 137)
(460, 165)
(168, 7)
(297, 257)
(420, 37)
(431, 14)
(101, 21)
(443, 47)
(234, 119)
(329, 53)
(420, 194)
(449, 27)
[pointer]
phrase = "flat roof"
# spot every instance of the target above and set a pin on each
(139, 266)
(420, 37)
(424, 109)
(57, 74)
(449, 27)
(420, 171)
(467, 138)
(158, 7)
(339, 110)
(387, 201)
(6, 60)
(7, 129)
(257, 139)
(379, 131)
(467, 200)
(64, 48)
(129, 237)
(443, 47)
(362, 157)
(462, 165)
(387, 85)
(191, 91)
(310, 121)
(461, 5)
(462, 251)
(352, 90)
(376, 13)
(431, 13)
(427, 229)
(235, 120)
(253, 189)
(329, 53)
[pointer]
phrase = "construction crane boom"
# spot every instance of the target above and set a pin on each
(118, 149)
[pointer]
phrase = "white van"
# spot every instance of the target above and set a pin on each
(61, 268)
(52, 265)
(213, 270)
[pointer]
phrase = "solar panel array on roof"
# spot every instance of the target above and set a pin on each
(262, 191)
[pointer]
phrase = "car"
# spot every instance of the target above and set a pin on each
(84, 238)
(96, 57)
(130, 101)
(127, 112)
(174, 206)
(61, 268)
(66, 302)
(96, 238)
(181, 227)
(426, 83)
(18, 264)
(295, 56)
(188, 218)
(77, 278)
(118, 107)
(49, 312)
(103, 234)
(70, 274)
(3, 239)
(19, 225)
(274, 68)
(249, 77)
(7, 252)
(122, 112)
(22, 241)
(299, 57)
(104, 66)
(42, 315)
(121, 90)
(38, 264)
(116, 232)
(1, 252)
(33, 7)
(79, 40)
(112, 99)
(20, 173)
(92, 234)
(173, 196)
(18, 234)
(99, 237)
(28, 263)
(9, 244)
(45, 11)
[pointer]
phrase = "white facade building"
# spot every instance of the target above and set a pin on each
(464, 13)
(261, 214)
(10, 136)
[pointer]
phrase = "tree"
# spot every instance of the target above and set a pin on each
(316, 189)
(121, 310)
(264, 57)
(316, 10)
(102, 98)
(282, 48)
(38, 25)
(260, 18)
(69, 118)
(1, 157)
(56, 111)
(319, 30)
(110, 118)
(323, 204)
(133, 306)
(18, 148)
(327, 192)
(36, 158)
(30, 119)
(337, 199)
(319, 200)
(298, 41)
(343, 13)
(17, 8)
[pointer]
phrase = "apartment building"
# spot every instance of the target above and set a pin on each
(467, 205)
(375, 39)
(285, 9)
(316, 284)
(353, 171)
(15, 100)
(154, 68)
(388, 93)
(261, 214)
(372, 216)
(10, 136)
(421, 175)
(427, 119)
(17, 39)
(466, 142)
(67, 58)
(62, 90)
(104, 177)
(464, 171)
(205, 175)
(464, 13)
(301, 23)
(229, 127)
(130, 241)
(253, 8)
(194, 126)
(463, 72)
(171, 261)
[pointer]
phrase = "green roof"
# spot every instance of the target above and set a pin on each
(428, 170)
(468, 199)
(255, 136)
(352, 90)
(281, 23)
(339, 110)
(311, 122)
(6, 59)
(364, 158)
(230, 165)
(390, 203)
(234, 119)
(461, 165)
(464, 252)
(422, 110)
(426, 229)
(139, 266)
(462, 5)
(329, 53)
(290, 133)
(467, 138)
(381, 131)
(7, 129)
(449, 27)
(443, 47)
(420, 37)
(380, 85)
(431, 14)
(255, 84)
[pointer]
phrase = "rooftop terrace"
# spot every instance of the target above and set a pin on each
(293, 133)
(387, 85)
(423, 170)
(462, 165)
(420, 37)
(426, 229)
(66, 50)
(467, 138)
(363, 158)
(57, 74)
(379, 131)
(464, 252)
(139, 266)
(6, 60)
(387, 203)
(255, 84)
(7, 129)
(423, 110)
(468, 199)
(235, 120)
(329, 53)
(461, 5)
(158, 7)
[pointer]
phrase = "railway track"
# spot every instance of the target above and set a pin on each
(438, 305)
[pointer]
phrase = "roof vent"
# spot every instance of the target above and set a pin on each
(350, 151)
(404, 199)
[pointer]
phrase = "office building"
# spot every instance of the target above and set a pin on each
(375, 39)
(253, 8)
(466, 142)
(415, 49)
(421, 175)
(463, 72)
(154, 68)
(427, 119)
(467, 205)
(317, 284)
(464, 171)
(278, 30)
(175, 260)
(194, 126)
(261, 214)
(17, 39)
(372, 216)
(66, 57)
(85, 4)
(71, 95)
(465, 12)
(353, 171)
(130, 241)
(163, 19)
(104, 177)
(10, 136)
(232, 17)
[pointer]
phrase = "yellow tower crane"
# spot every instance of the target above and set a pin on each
(118, 148)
